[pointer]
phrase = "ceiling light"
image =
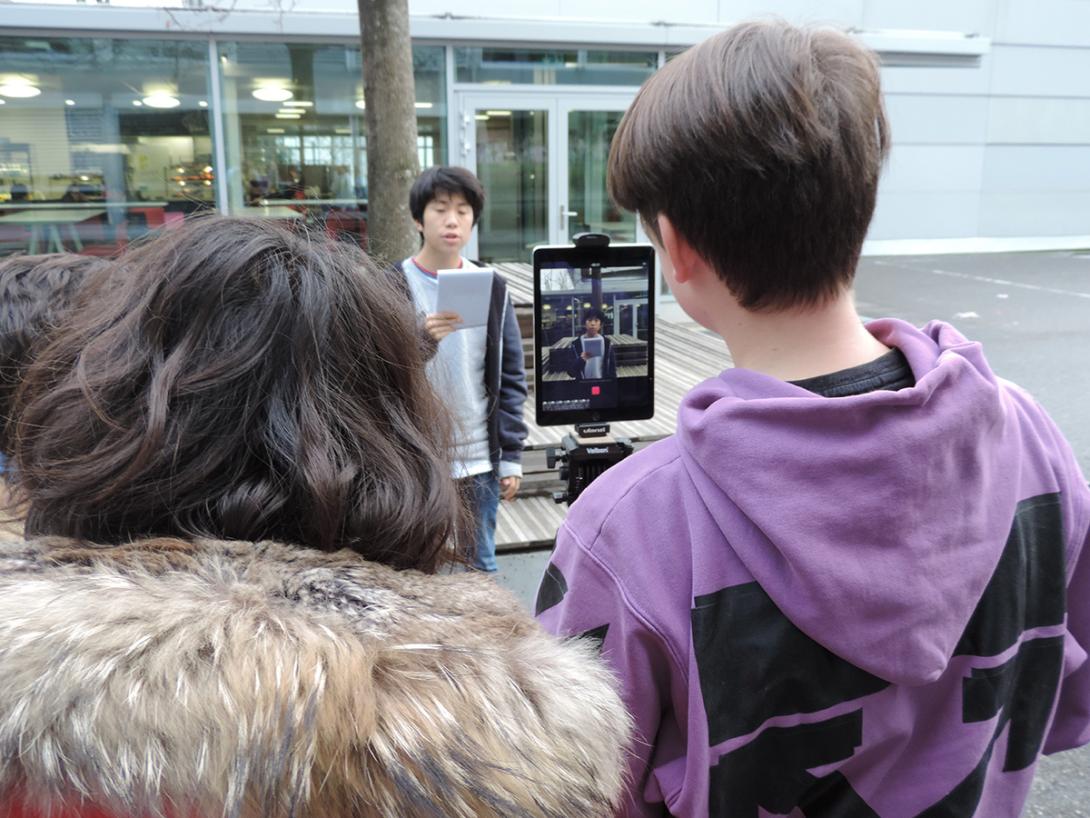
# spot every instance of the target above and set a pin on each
(69, 102)
(272, 93)
(137, 103)
(423, 105)
(3, 102)
(19, 89)
(203, 103)
(299, 103)
(498, 113)
(361, 104)
(295, 111)
(289, 116)
(342, 130)
(84, 178)
(274, 130)
(482, 117)
(161, 99)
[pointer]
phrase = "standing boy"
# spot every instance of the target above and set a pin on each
(478, 370)
(594, 355)
(853, 583)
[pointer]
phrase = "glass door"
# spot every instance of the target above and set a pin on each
(541, 157)
(508, 141)
(587, 125)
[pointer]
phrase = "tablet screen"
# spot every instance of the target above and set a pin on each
(593, 333)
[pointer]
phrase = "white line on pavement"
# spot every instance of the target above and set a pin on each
(1003, 281)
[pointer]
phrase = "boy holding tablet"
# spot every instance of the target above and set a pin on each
(854, 582)
(478, 370)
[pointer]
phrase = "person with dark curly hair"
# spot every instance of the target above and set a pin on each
(239, 499)
(34, 292)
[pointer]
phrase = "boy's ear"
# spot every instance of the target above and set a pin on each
(684, 260)
(419, 226)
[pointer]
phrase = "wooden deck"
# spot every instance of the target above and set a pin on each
(684, 356)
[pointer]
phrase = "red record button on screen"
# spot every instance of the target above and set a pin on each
(596, 390)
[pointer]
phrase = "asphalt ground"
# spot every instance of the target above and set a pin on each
(1031, 311)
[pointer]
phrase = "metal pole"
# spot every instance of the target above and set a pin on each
(215, 111)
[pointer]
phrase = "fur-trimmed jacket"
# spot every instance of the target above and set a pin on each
(238, 679)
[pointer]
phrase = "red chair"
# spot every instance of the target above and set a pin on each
(347, 225)
(153, 216)
(106, 248)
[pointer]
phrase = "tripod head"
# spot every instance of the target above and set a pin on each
(584, 456)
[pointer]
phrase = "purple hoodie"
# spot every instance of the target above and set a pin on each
(848, 606)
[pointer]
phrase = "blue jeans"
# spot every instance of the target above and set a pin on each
(484, 500)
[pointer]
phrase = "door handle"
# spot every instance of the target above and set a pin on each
(565, 213)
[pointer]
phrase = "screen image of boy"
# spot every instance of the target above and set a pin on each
(595, 334)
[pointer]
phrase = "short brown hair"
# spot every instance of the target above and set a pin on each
(234, 379)
(762, 145)
(35, 291)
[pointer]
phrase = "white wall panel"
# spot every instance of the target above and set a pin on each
(1044, 72)
(937, 120)
(487, 8)
(919, 168)
(971, 78)
(1044, 22)
(1034, 214)
(1036, 169)
(842, 13)
(969, 16)
(1037, 121)
(689, 12)
(928, 214)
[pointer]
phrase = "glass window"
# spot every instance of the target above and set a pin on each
(513, 166)
(508, 66)
(295, 133)
(100, 140)
(590, 134)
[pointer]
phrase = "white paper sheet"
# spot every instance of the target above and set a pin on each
(596, 348)
(466, 292)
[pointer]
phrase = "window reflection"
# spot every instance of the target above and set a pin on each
(101, 140)
(529, 66)
(295, 132)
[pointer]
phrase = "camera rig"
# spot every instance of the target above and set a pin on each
(590, 449)
(585, 455)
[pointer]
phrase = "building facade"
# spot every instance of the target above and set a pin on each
(116, 119)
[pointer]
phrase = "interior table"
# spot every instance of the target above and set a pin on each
(47, 222)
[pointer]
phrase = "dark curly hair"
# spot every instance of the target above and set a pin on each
(35, 291)
(234, 379)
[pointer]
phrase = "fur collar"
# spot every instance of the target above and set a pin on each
(244, 680)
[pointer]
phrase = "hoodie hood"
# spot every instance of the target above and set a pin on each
(874, 522)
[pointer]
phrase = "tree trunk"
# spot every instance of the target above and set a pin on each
(390, 94)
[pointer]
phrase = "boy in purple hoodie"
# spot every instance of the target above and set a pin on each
(853, 583)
